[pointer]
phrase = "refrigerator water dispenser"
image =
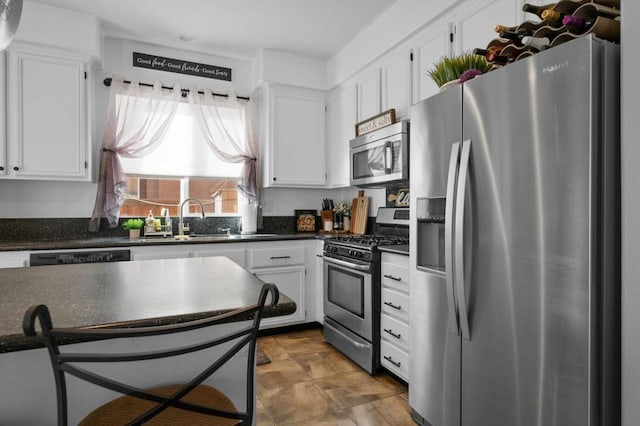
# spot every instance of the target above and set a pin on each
(430, 226)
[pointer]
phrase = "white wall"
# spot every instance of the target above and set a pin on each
(402, 19)
(630, 105)
(283, 201)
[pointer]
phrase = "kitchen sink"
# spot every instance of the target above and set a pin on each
(230, 237)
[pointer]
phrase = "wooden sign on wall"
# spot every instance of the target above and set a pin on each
(142, 60)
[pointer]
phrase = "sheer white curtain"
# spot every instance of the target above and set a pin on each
(228, 125)
(138, 118)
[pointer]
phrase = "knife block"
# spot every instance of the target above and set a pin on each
(326, 216)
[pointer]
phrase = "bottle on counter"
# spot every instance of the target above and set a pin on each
(149, 223)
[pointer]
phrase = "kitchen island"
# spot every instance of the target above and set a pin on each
(136, 293)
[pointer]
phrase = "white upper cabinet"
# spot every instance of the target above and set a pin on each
(474, 24)
(342, 115)
(47, 115)
(427, 50)
(396, 83)
(293, 135)
(369, 94)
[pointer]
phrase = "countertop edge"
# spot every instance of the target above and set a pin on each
(115, 242)
(20, 342)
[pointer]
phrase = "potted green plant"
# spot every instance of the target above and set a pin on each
(134, 226)
(449, 71)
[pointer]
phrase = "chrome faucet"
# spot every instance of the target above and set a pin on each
(181, 227)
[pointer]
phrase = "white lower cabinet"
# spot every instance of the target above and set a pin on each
(394, 318)
(235, 251)
(14, 259)
(282, 263)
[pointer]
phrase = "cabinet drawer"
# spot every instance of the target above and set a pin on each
(395, 303)
(270, 257)
(394, 331)
(395, 360)
(395, 274)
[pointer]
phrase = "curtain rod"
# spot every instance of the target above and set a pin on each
(107, 82)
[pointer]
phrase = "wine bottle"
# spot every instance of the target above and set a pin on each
(610, 3)
(525, 28)
(539, 43)
(494, 56)
(594, 9)
(537, 10)
(515, 38)
(498, 59)
(589, 22)
(553, 15)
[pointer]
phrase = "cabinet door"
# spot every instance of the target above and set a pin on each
(47, 119)
(396, 84)
(290, 281)
(297, 139)
(342, 118)
(474, 26)
(426, 52)
(369, 95)
(233, 251)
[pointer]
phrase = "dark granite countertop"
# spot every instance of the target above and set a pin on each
(137, 293)
(399, 249)
(150, 241)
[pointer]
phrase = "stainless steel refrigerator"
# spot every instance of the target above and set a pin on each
(514, 238)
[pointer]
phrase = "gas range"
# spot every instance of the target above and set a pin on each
(392, 228)
(351, 294)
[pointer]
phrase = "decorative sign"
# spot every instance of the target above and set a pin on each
(376, 122)
(306, 220)
(142, 60)
(400, 198)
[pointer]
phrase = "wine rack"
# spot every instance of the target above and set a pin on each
(554, 24)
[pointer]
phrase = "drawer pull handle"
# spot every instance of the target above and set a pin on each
(398, 307)
(280, 257)
(397, 364)
(391, 277)
(397, 336)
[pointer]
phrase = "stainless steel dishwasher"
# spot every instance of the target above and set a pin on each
(79, 256)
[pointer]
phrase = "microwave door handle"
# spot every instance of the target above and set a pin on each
(459, 239)
(388, 157)
(454, 162)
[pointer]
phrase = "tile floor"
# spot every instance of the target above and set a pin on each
(308, 382)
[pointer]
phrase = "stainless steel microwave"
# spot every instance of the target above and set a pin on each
(380, 157)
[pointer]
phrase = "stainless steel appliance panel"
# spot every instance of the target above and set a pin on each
(380, 157)
(531, 245)
(348, 297)
(434, 392)
(526, 279)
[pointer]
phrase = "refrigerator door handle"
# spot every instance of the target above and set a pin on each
(459, 238)
(454, 162)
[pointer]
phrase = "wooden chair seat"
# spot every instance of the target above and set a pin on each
(122, 410)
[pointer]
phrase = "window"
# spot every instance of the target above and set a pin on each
(182, 166)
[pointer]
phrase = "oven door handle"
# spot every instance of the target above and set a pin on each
(346, 264)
